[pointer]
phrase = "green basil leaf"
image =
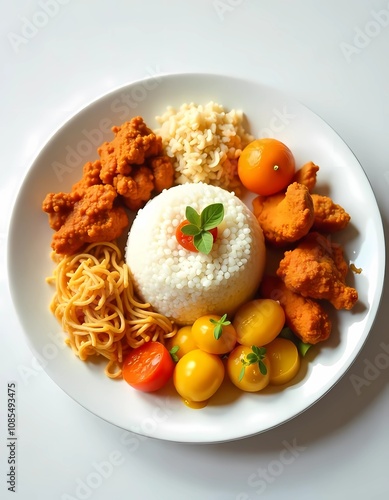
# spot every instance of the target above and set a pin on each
(190, 230)
(192, 216)
(255, 349)
(211, 216)
(253, 358)
(262, 367)
(203, 242)
(241, 374)
(217, 331)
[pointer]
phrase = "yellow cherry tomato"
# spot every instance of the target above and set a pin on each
(183, 339)
(248, 378)
(214, 334)
(284, 361)
(198, 375)
(258, 322)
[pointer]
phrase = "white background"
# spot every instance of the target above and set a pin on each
(333, 56)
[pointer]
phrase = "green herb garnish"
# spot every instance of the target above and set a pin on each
(256, 356)
(218, 330)
(173, 353)
(200, 225)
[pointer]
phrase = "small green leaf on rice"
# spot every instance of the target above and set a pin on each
(203, 242)
(212, 216)
(192, 216)
(190, 230)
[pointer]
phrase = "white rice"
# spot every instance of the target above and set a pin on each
(185, 285)
(205, 143)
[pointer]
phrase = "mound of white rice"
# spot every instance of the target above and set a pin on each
(185, 285)
(205, 143)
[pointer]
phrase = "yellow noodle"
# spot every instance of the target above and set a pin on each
(96, 305)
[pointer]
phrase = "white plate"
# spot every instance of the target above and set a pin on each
(163, 416)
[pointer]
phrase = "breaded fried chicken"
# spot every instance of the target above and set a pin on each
(329, 217)
(90, 177)
(285, 218)
(315, 269)
(88, 218)
(306, 175)
(133, 160)
(305, 317)
(132, 144)
(163, 172)
(137, 188)
(59, 207)
(131, 169)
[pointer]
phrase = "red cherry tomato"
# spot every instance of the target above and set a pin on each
(186, 240)
(266, 166)
(148, 367)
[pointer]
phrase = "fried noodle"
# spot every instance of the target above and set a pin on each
(96, 306)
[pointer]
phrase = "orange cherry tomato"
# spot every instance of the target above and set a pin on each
(266, 166)
(186, 240)
(148, 367)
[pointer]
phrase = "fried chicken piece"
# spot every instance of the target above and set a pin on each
(137, 189)
(305, 317)
(59, 206)
(329, 217)
(90, 176)
(92, 218)
(311, 271)
(133, 143)
(306, 175)
(285, 218)
(133, 163)
(163, 172)
(132, 166)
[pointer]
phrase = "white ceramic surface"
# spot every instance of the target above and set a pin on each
(268, 112)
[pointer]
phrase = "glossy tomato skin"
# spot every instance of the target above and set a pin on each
(258, 322)
(204, 337)
(284, 361)
(186, 241)
(198, 375)
(252, 380)
(148, 367)
(266, 166)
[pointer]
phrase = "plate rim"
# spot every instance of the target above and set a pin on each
(106, 95)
